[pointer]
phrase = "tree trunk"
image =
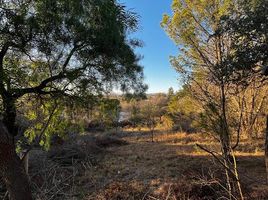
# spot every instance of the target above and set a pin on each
(24, 157)
(266, 148)
(225, 145)
(152, 134)
(9, 115)
(11, 168)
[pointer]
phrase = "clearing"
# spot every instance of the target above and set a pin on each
(171, 167)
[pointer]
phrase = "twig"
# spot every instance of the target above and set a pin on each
(219, 160)
(169, 188)
(6, 194)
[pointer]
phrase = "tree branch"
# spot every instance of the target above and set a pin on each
(218, 159)
(2, 55)
(38, 89)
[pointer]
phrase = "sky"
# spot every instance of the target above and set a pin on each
(159, 74)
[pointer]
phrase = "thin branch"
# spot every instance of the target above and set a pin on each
(43, 130)
(218, 159)
(2, 55)
(38, 89)
(240, 123)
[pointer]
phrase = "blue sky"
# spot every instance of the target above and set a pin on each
(159, 74)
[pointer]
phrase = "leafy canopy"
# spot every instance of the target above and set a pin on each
(67, 46)
(247, 27)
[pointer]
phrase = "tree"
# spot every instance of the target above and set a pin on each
(170, 93)
(150, 115)
(184, 110)
(247, 27)
(107, 112)
(251, 104)
(203, 61)
(13, 174)
(135, 115)
(57, 48)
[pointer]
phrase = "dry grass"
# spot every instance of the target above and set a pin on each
(170, 165)
(126, 165)
(62, 172)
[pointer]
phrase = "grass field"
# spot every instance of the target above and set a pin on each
(171, 167)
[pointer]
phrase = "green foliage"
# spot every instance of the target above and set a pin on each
(59, 49)
(203, 62)
(184, 110)
(192, 26)
(107, 112)
(248, 30)
(46, 118)
(183, 102)
(170, 93)
(136, 117)
(147, 112)
(150, 114)
(223, 47)
(80, 42)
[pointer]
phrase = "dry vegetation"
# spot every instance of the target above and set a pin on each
(174, 168)
(127, 165)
